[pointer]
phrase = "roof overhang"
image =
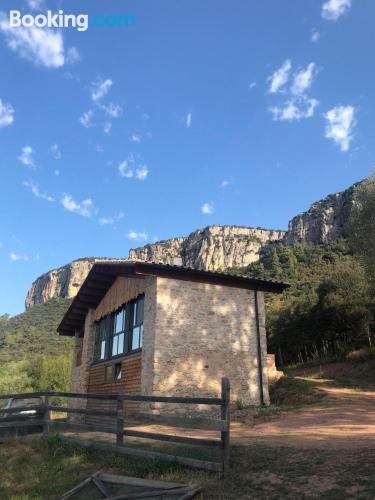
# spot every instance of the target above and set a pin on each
(103, 274)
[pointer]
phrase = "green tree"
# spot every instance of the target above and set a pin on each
(361, 227)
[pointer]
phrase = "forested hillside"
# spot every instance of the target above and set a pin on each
(32, 354)
(329, 310)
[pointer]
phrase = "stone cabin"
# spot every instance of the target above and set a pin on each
(155, 329)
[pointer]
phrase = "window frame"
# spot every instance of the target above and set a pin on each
(129, 324)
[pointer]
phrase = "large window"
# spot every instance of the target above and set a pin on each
(121, 332)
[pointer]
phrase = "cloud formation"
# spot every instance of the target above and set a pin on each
(84, 208)
(6, 114)
(41, 46)
(333, 9)
(108, 221)
(27, 156)
(100, 88)
(207, 208)
(339, 126)
(137, 236)
(279, 78)
(34, 187)
(295, 109)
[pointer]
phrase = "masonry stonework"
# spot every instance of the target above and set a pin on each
(204, 332)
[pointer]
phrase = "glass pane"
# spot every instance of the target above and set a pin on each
(118, 371)
(114, 346)
(136, 335)
(140, 308)
(135, 313)
(119, 321)
(120, 346)
(102, 329)
(141, 337)
(102, 349)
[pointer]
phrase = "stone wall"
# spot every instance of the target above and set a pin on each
(203, 333)
(82, 359)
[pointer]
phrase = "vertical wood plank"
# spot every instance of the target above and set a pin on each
(120, 419)
(47, 413)
(225, 415)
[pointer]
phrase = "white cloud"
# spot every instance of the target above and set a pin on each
(303, 80)
(137, 236)
(295, 109)
(125, 170)
(56, 172)
(315, 35)
(189, 117)
(252, 85)
(107, 127)
(136, 138)
(279, 78)
(333, 9)
(112, 110)
(129, 168)
(141, 173)
(84, 208)
(55, 151)
(100, 88)
(16, 257)
(86, 119)
(207, 208)
(6, 114)
(72, 55)
(34, 187)
(41, 46)
(26, 157)
(104, 221)
(224, 184)
(340, 124)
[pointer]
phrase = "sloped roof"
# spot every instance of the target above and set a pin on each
(103, 274)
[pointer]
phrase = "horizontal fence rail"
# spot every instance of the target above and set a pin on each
(13, 417)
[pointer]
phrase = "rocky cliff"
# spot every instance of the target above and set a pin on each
(324, 221)
(212, 248)
(63, 282)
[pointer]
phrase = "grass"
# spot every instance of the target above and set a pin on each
(294, 392)
(36, 469)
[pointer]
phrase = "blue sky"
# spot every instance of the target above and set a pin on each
(202, 113)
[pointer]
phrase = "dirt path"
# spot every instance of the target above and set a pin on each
(344, 418)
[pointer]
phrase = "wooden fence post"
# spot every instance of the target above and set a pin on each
(120, 419)
(47, 413)
(225, 415)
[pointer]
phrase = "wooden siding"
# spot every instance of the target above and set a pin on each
(123, 290)
(129, 384)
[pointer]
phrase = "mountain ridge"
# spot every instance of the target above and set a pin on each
(211, 248)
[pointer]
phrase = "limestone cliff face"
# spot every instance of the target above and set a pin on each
(63, 282)
(212, 248)
(324, 221)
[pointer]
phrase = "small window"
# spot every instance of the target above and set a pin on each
(118, 371)
(108, 374)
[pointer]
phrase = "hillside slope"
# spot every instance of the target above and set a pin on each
(34, 332)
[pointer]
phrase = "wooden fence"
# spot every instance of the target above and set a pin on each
(123, 420)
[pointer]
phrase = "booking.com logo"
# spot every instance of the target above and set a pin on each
(81, 22)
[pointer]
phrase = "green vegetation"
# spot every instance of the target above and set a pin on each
(38, 469)
(32, 355)
(329, 309)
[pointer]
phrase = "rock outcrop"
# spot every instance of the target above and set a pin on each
(63, 282)
(324, 221)
(212, 248)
